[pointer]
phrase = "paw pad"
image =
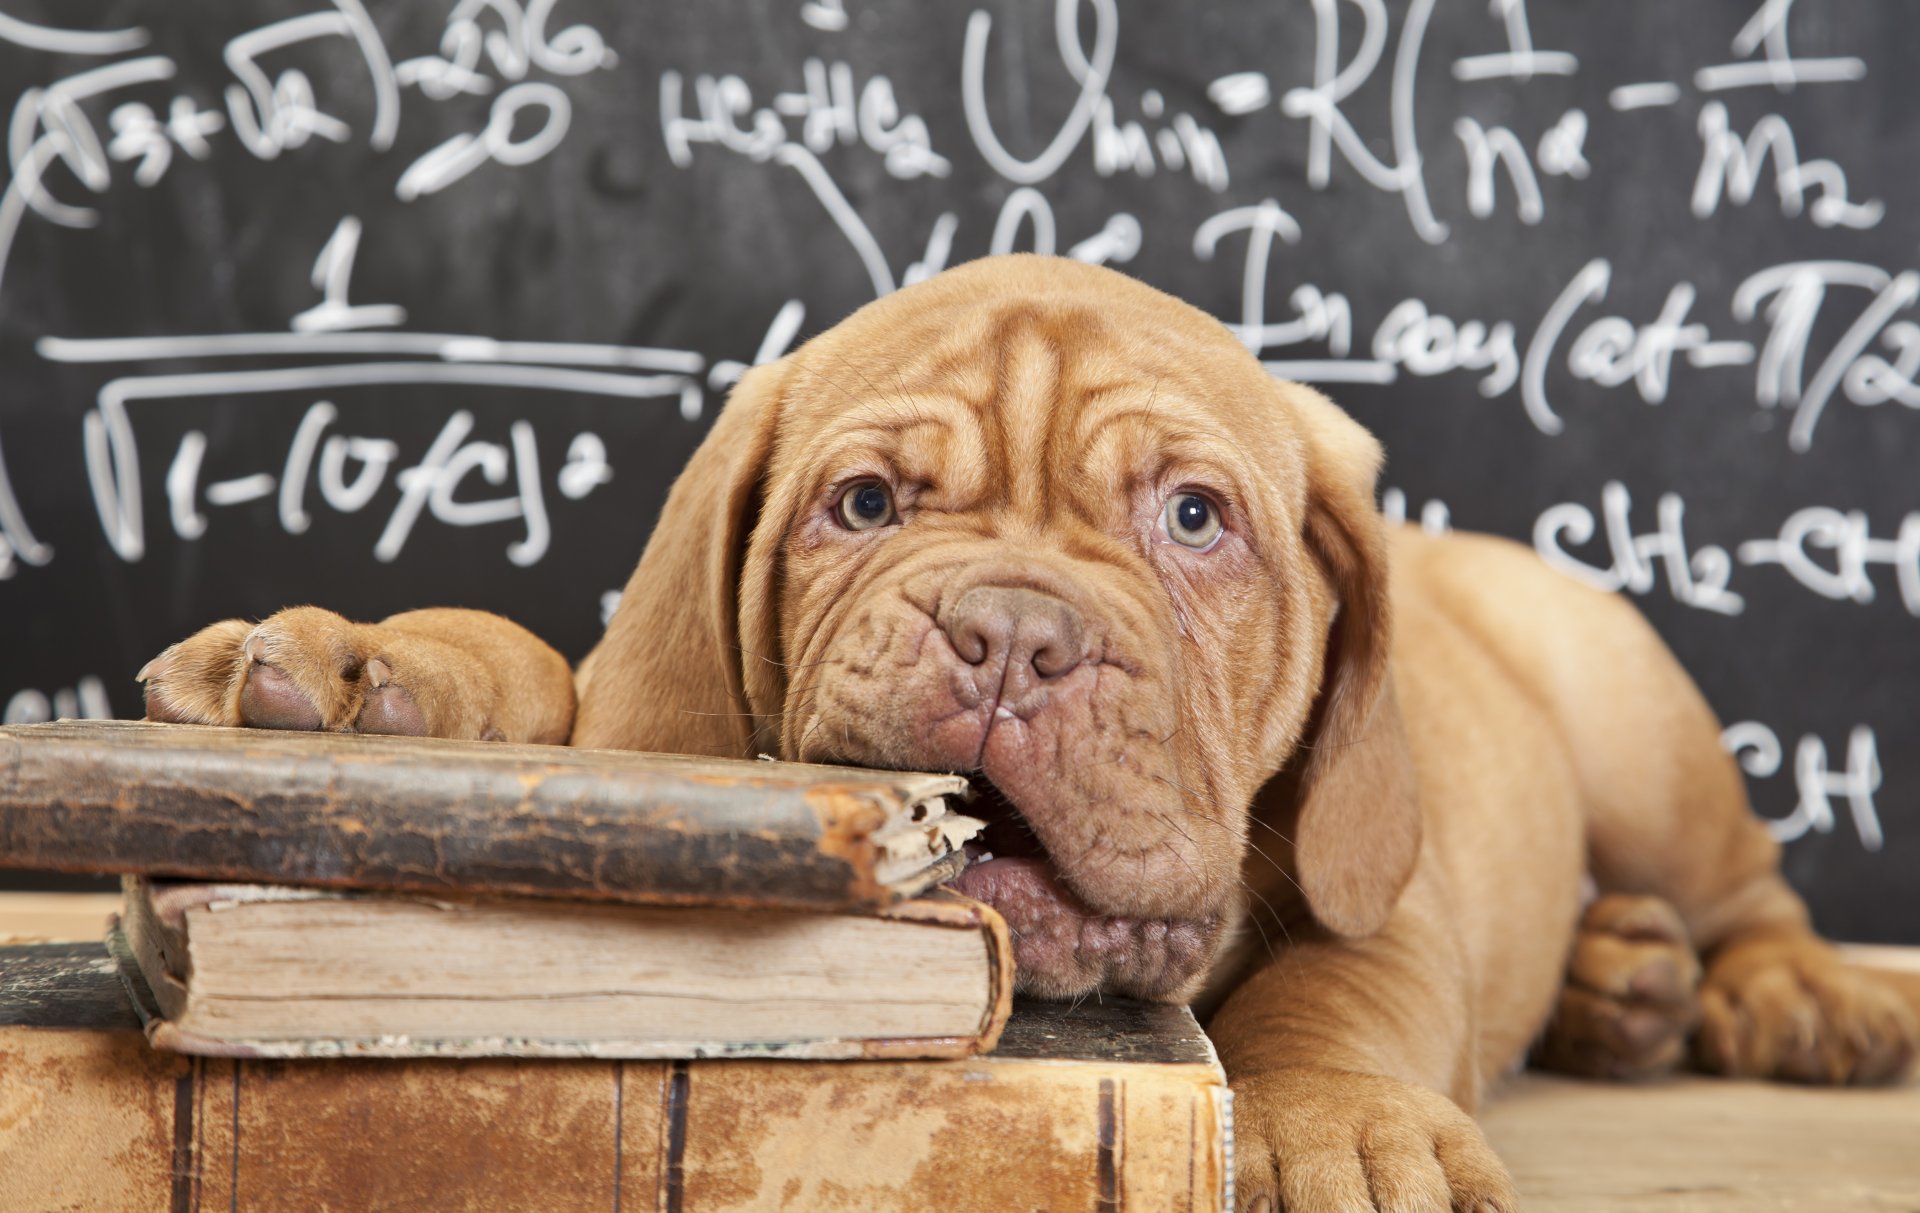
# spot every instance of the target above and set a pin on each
(270, 700)
(389, 709)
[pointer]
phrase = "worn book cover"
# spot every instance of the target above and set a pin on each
(422, 815)
(275, 971)
(1107, 1106)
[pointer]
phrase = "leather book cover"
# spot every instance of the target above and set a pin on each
(1108, 1106)
(420, 815)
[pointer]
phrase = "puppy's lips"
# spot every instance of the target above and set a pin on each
(1024, 883)
(1062, 948)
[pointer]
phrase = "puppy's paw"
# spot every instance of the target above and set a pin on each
(1321, 1141)
(1630, 998)
(198, 680)
(1783, 1005)
(309, 669)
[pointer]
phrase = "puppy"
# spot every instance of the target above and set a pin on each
(1241, 744)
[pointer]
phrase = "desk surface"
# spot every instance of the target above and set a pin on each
(1699, 1145)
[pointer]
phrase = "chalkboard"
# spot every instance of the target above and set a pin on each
(381, 305)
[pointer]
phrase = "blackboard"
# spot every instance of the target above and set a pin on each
(383, 304)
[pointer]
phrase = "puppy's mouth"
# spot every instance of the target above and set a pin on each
(1062, 948)
(1007, 862)
(1007, 835)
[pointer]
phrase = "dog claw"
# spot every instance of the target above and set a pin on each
(379, 673)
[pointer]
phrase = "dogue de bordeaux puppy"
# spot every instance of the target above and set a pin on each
(1391, 808)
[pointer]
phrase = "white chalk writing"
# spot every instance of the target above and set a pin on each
(85, 700)
(1815, 782)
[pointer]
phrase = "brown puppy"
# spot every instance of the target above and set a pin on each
(1037, 521)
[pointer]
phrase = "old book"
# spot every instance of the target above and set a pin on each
(274, 971)
(1108, 1105)
(336, 810)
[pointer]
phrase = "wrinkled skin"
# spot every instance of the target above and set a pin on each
(1027, 616)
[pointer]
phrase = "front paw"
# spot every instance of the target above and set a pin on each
(1782, 1005)
(1321, 1141)
(308, 669)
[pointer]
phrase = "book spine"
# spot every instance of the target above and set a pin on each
(94, 1120)
(330, 812)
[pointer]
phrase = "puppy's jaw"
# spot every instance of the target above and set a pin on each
(1125, 890)
(1062, 949)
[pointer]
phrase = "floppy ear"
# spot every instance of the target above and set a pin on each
(667, 675)
(1357, 833)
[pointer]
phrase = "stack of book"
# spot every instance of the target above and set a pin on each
(297, 906)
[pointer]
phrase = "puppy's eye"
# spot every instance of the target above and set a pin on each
(1192, 521)
(866, 505)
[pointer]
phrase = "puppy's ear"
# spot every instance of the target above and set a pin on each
(1357, 833)
(667, 675)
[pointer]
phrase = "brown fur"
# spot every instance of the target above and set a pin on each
(1340, 785)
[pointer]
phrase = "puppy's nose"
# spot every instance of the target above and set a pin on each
(1024, 630)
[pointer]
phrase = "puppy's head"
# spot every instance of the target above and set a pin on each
(1037, 522)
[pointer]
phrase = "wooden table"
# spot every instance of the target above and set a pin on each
(1701, 1145)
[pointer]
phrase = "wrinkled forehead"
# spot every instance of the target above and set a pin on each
(1003, 381)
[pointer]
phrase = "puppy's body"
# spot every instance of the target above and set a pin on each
(1037, 521)
(1495, 895)
(1543, 756)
